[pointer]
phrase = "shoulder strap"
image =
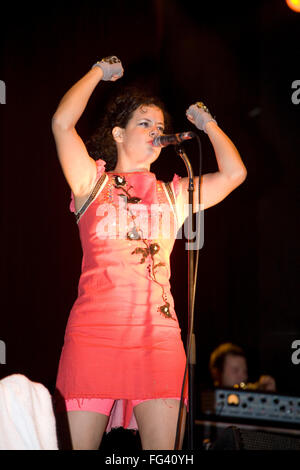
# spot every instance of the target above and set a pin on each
(171, 194)
(91, 197)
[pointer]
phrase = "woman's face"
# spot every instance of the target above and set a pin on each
(135, 144)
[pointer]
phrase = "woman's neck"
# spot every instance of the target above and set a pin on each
(122, 169)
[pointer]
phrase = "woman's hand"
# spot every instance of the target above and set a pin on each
(199, 115)
(266, 382)
(111, 67)
(231, 170)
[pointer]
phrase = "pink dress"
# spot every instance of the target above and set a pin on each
(122, 339)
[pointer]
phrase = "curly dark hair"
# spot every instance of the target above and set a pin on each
(119, 111)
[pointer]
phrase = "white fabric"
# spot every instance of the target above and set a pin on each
(27, 420)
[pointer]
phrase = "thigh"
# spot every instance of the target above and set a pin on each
(157, 422)
(86, 429)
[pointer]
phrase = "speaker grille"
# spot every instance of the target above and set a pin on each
(259, 440)
(234, 438)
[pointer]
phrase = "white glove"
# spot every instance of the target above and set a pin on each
(111, 66)
(199, 115)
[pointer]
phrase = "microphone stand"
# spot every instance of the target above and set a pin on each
(191, 343)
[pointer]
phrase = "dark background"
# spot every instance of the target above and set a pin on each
(241, 61)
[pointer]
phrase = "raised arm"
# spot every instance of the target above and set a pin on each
(231, 170)
(78, 167)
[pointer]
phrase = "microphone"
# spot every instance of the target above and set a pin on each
(172, 139)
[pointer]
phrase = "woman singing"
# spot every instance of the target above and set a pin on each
(123, 359)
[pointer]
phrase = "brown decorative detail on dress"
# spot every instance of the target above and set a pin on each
(164, 309)
(120, 181)
(150, 249)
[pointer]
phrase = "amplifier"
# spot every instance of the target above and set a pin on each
(236, 403)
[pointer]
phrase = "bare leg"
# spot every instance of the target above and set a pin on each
(86, 429)
(157, 422)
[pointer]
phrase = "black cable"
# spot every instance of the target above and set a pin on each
(190, 327)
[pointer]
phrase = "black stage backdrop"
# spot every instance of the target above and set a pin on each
(242, 62)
